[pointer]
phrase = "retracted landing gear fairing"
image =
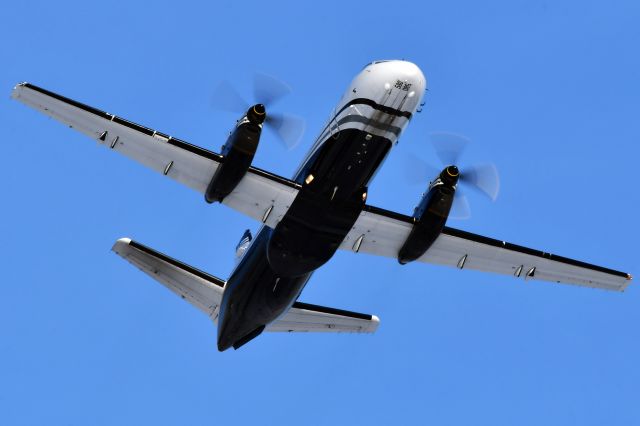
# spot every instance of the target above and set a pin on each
(305, 219)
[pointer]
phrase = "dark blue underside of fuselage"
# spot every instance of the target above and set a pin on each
(280, 261)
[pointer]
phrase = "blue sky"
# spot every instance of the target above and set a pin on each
(549, 91)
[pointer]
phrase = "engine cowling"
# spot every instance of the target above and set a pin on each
(238, 152)
(430, 215)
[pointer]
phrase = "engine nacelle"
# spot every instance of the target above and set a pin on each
(238, 152)
(430, 215)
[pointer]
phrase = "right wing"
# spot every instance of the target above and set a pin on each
(259, 194)
(382, 232)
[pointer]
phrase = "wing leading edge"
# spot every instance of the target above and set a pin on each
(382, 232)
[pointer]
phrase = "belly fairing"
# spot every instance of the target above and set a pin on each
(255, 295)
(333, 194)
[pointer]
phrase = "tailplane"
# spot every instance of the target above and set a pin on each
(202, 290)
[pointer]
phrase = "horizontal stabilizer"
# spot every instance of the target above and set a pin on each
(307, 317)
(202, 290)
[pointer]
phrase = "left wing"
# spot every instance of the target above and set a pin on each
(260, 195)
(382, 232)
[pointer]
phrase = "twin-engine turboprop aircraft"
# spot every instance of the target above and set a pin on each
(307, 218)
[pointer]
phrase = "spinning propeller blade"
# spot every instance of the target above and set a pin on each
(484, 178)
(267, 90)
(289, 128)
(417, 171)
(460, 209)
(226, 98)
(449, 148)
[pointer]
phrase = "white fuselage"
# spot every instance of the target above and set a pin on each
(393, 85)
(333, 180)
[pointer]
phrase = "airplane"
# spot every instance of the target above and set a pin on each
(307, 218)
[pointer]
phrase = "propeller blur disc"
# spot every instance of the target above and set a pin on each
(226, 98)
(484, 178)
(460, 209)
(289, 128)
(449, 146)
(267, 90)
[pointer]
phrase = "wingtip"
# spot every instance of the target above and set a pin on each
(625, 283)
(375, 322)
(121, 243)
(14, 92)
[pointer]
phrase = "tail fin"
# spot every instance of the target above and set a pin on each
(243, 245)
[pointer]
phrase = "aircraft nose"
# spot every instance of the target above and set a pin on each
(408, 68)
(404, 71)
(403, 76)
(410, 73)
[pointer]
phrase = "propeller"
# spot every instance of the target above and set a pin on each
(449, 147)
(267, 91)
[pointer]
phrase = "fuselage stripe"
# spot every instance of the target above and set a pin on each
(357, 118)
(376, 106)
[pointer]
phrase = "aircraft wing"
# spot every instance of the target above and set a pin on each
(383, 232)
(257, 194)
